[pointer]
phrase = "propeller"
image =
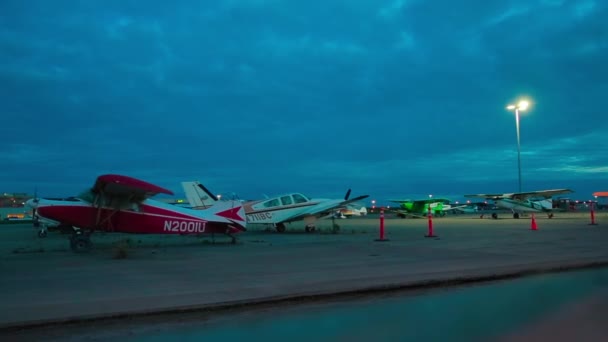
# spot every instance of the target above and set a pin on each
(35, 217)
(347, 195)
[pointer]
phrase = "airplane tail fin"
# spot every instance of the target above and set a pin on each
(198, 195)
(231, 212)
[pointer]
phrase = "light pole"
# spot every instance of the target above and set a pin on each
(521, 106)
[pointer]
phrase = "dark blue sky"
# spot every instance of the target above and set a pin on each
(394, 98)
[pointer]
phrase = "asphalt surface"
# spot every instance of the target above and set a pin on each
(44, 283)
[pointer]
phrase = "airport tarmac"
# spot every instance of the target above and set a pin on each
(43, 282)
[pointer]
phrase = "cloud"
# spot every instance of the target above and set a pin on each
(268, 96)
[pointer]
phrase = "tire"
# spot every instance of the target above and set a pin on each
(80, 244)
(515, 215)
(280, 227)
(495, 216)
(42, 233)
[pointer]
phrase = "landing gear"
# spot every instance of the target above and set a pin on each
(233, 241)
(495, 216)
(80, 243)
(42, 233)
(515, 215)
(310, 228)
(280, 227)
(550, 215)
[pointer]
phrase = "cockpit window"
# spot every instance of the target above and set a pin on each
(272, 203)
(286, 200)
(297, 198)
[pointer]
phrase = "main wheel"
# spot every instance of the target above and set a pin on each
(495, 216)
(515, 215)
(280, 227)
(309, 228)
(80, 243)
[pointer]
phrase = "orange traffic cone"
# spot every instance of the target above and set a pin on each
(533, 225)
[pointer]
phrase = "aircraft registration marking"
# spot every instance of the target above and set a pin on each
(259, 217)
(184, 227)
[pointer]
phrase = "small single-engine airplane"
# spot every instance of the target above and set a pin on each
(420, 208)
(352, 210)
(121, 204)
(276, 210)
(521, 202)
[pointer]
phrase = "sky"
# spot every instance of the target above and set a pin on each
(392, 98)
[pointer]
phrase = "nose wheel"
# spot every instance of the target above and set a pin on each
(280, 227)
(310, 228)
(42, 233)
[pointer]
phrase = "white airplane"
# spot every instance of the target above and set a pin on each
(521, 202)
(353, 210)
(278, 210)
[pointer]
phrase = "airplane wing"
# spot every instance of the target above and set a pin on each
(118, 186)
(401, 201)
(601, 194)
(524, 195)
(541, 193)
(455, 208)
(325, 208)
(490, 196)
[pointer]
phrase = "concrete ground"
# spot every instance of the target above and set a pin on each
(43, 282)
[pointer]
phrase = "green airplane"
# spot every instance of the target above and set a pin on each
(420, 208)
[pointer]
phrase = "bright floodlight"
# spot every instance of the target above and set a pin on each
(523, 105)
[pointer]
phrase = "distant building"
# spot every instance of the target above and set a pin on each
(12, 206)
(14, 200)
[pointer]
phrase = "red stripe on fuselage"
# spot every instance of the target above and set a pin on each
(152, 220)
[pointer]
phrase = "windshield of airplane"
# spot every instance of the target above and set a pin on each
(272, 203)
(86, 196)
(299, 198)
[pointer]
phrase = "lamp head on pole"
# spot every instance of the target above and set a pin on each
(520, 106)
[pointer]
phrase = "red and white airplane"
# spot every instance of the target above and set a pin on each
(275, 211)
(122, 204)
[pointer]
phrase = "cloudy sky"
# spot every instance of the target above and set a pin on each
(394, 98)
